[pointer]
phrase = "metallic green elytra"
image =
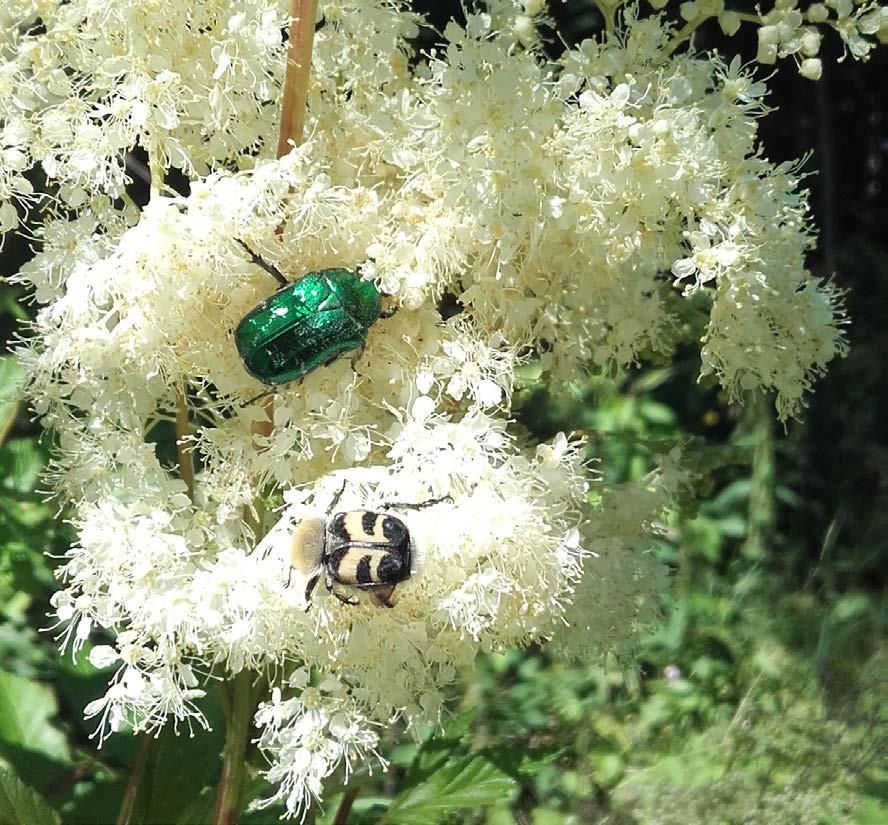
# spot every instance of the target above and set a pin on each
(307, 324)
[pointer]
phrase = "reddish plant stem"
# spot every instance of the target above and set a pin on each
(132, 788)
(229, 795)
(301, 38)
(345, 806)
(302, 26)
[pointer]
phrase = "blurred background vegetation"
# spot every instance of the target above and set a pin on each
(761, 694)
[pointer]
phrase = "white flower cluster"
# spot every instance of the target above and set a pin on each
(787, 30)
(311, 733)
(548, 200)
(83, 82)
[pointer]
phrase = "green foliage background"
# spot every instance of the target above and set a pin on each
(759, 697)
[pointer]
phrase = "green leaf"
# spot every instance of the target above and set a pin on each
(851, 606)
(871, 812)
(733, 495)
(474, 781)
(26, 708)
(437, 750)
(21, 462)
(403, 754)
(366, 810)
(608, 769)
(651, 379)
(733, 527)
(657, 413)
(577, 783)
(11, 375)
(21, 805)
(28, 738)
(499, 816)
(95, 799)
(181, 773)
(547, 816)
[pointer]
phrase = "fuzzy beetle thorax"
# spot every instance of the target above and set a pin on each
(307, 545)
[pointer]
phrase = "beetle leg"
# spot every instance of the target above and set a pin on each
(344, 599)
(357, 356)
(387, 308)
(312, 583)
(381, 596)
(256, 398)
(261, 262)
(328, 580)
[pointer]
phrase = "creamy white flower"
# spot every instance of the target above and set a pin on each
(547, 203)
(310, 737)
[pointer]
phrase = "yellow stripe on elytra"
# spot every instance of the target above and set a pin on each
(347, 572)
(354, 528)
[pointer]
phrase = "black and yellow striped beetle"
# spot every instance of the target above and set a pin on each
(363, 549)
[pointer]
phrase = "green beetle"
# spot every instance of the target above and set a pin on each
(306, 324)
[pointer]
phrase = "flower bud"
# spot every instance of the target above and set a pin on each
(767, 54)
(843, 7)
(524, 29)
(769, 35)
(871, 22)
(811, 68)
(729, 22)
(810, 42)
(9, 219)
(689, 11)
(818, 13)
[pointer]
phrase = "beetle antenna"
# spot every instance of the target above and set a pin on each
(261, 262)
(416, 505)
(336, 498)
